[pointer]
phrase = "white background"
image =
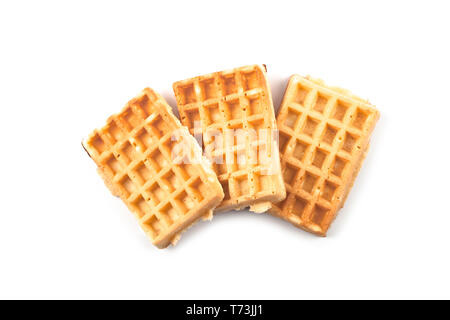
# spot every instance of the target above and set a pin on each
(65, 67)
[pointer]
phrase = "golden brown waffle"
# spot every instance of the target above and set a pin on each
(134, 156)
(323, 136)
(230, 104)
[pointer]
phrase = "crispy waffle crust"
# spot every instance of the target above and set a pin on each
(230, 104)
(324, 136)
(167, 192)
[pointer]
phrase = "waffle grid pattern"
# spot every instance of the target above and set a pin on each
(323, 135)
(227, 104)
(134, 155)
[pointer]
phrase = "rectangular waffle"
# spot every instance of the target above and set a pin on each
(324, 136)
(167, 192)
(231, 105)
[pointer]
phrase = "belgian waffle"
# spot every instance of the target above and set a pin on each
(324, 135)
(167, 192)
(230, 104)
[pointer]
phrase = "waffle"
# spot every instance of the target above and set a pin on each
(323, 136)
(231, 105)
(167, 192)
